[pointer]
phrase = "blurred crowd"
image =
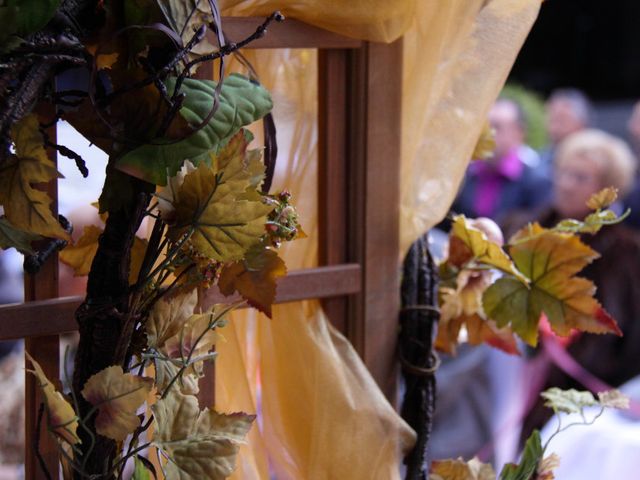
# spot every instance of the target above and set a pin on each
(488, 402)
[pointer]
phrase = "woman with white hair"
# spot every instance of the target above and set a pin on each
(586, 162)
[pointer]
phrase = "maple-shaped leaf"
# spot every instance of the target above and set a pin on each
(254, 277)
(458, 469)
(24, 206)
(550, 260)
(12, 237)
(603, 198)
(80, 255)
(168, 315)
(200, 444)
(166, 371)
(195, 338)
(241, 103)
(468, 242)
(568, 401)
(62, 419)
(223, 225)
(531, 457)
(613, 399)
(118, 396)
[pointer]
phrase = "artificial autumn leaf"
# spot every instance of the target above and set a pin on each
(24, 206)
(458, 469)
(546, 466)
(462, 307)
(11, 237)
(568, 401)
(80, 255)
(62, 419)
(195, 338)
(185, 18)
(531, 457)
(168, 316)
(550, 260)
(613, 399)
(603, 198)
(241, 103)
(117, 395)
(474, 244)
(254, 277)
(223, 227)
(485, 145)
(200, 444)
(167, 370)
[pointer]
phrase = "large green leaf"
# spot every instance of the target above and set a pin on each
(532, 454)
(23, 17)
(241, 103)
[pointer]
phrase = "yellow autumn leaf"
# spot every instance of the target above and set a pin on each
(166, 370)
(474, 244)
(62, 419)
(200, 444)
(486, 144)
(214, 205)
(24, 206)
(550, 260)
(603, 198)
(117, 395)
(168, 316)
(254, 277)
(195, 338)
(458, 469)
(80, 255)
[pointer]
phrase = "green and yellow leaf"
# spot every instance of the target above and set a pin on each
(474, 244)
(200, 444)
(12, 237)
(603, 199)
(254, 278)
(118, 396)
(62, 419)
(531, 458)
(24, 206)
(223, 226)
(550, 260)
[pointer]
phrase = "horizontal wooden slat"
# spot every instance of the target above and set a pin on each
(55, 316)
(288, 34)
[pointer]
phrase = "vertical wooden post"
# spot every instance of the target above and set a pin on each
(375, 99)
(332, 171)
(45, 350)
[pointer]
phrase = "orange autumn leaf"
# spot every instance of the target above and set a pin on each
(603, 198)
(80, 256)
(469, 242)
(458, 469)
(117, 395)
(551, 261)
(254, 278)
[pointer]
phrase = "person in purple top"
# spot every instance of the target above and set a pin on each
(503, 183)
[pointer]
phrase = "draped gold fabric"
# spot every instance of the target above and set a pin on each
(322, 416)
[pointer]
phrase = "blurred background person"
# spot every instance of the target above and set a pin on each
(504, 182)
(568, 110)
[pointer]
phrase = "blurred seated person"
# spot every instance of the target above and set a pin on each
(502, 183)
(568, 111)
(586, 162)
(632, 200)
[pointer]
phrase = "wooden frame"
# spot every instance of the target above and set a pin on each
(359, 157)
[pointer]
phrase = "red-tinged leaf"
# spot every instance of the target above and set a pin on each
(254, 278)
(551, 260)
